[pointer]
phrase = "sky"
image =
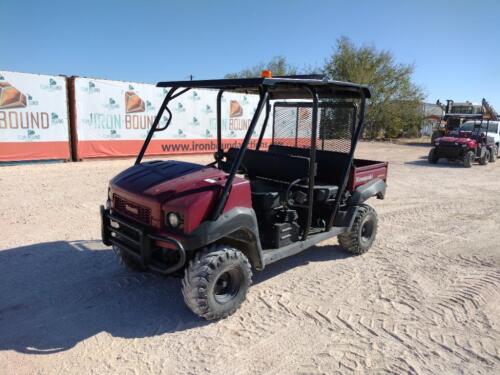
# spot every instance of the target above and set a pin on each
(454, 45)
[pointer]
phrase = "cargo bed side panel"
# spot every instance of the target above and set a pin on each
(364, 171)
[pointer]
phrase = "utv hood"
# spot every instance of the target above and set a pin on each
(459, 140)
(163, 180)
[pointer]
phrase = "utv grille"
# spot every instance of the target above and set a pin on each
(130, 209)
(336, 124)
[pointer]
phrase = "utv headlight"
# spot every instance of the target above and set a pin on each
(173, 219)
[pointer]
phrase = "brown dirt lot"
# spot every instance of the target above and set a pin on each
(425, 299)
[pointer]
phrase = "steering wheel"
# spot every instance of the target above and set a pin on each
(288, 199)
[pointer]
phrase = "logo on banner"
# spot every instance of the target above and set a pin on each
(91, 88)
(52, 86)
(179, 108)
(133, 102)
(55, 119)
(180, 134)
(10, 97)
(194, 122)
(194, 96)
(111, 104)
(149, 106)
(31, 101)
(244, 101)
(235, 109)
(207, 109)
(162, 93)
(113, 134)
(208, 134)
(304, 113)
(30, 136)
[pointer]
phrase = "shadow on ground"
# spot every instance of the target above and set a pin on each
(57, 294)
(423, 162)
(417, 144)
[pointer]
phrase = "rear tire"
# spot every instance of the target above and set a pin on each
(469, 158)
(485, 159)
(493, 154)
(432, 157)
(360, 237)
(216, 282)
(127, 261)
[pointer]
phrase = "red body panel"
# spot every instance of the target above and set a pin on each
(192, 195)
(196, 207)
(361, 174)
(471, 143)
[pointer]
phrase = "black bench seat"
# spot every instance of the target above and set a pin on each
(270, 174)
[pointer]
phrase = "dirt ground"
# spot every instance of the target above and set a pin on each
(425, 299)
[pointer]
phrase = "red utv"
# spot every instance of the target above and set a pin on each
(249, 207)
(466, 146)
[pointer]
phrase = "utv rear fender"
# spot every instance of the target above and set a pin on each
(237, 227)
(375, 187)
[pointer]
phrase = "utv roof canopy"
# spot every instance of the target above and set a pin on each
(284, 87)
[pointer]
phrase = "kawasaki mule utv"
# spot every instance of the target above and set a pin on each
(249, 207)
(466, 146)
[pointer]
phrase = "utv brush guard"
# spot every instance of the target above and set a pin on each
(250, 207)
(137, 243)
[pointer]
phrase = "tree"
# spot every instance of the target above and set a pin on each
(395, 106)
(277, 65)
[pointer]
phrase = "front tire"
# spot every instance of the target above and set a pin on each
(360, 237)
(469, 158)
(216, 282)
(493, 154)
(485, 159)
(433, 158)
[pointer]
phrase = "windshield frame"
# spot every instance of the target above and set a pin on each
(490, 126)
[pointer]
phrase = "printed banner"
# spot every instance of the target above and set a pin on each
(113, 119)
(33, 117)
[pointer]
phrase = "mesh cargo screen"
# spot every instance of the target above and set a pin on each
(292, 125)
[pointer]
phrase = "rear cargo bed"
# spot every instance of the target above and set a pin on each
(364, 171)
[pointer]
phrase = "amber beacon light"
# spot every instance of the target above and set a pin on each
(266, 74)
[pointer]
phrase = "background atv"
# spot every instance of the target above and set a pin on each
(250, 207)
(466, 147)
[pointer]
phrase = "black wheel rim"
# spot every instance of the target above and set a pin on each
(227, 285)
(367, 231)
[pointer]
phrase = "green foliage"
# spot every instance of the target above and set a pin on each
(395, 106)
(277, 65)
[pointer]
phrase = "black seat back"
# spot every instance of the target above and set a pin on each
(330, 163)
(275, 166)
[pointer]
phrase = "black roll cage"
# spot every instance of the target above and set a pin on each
(313, 87)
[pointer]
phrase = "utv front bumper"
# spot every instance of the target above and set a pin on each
(140, 245)
(450, 151)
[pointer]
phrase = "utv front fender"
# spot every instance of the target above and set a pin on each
(237, 227)
(375, 187)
